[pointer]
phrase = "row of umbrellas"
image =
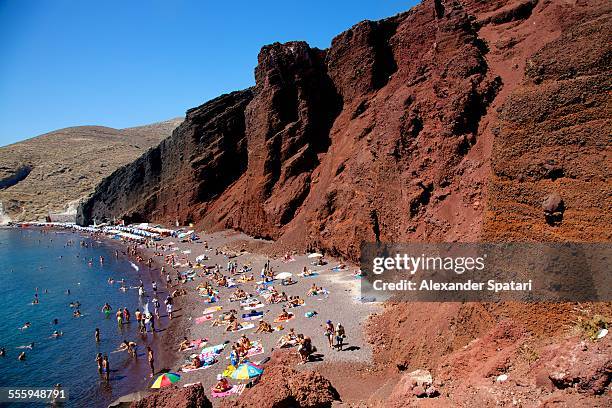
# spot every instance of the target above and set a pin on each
(244, 371)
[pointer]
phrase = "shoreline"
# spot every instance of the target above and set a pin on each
(341, 305)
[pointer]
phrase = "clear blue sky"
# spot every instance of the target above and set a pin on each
(128, 62)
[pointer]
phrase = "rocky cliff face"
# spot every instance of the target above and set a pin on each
(391, 132)
(365, 140)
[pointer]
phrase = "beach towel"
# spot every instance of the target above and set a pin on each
(235, 390)
(257, 306)
(209, 299)
(211, 351)
(212, 309)
(252, 315)
(202, 319)
(278, 320)
(311, 313)
(255, 349)
(188, 370)
(246, 326)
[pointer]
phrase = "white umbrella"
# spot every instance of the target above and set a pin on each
(283, 275)
(315, 255)
(201, 258)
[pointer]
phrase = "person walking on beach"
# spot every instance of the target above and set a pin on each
(168, 303)
(340, 335)
(329, 333)
(100, 362)
(97, 335)
(156, 306)
(151, 360)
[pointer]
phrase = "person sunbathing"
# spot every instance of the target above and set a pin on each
(222, 281)
(245, 343)
(307, 272)
(227, 317)
(288, 339)
(245, 279)
(185, 344)
(283, 315)
(233, 326)
(239, 294)
(264, 327)
(203, 286)
(222, 384)
(295, 301)
(195, 363)
(313, 291)
(288, 281)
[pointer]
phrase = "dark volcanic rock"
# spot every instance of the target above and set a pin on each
(204, 155)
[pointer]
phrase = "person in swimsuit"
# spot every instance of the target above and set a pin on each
(106, 367)
(151, 360)
(99, 362)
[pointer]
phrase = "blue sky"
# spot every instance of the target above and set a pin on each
(130, 62)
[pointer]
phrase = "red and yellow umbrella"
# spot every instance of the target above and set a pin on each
(165, 380)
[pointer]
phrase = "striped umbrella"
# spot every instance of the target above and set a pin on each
(165, 380)
(246, 370)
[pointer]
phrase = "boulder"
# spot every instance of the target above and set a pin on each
(176, 397)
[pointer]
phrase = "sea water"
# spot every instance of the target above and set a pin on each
(32, 262)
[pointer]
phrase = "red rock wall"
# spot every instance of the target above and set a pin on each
(389, 134)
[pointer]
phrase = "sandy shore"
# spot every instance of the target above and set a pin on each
(340, 305)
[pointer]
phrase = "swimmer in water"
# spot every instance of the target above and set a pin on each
(55, 321)
(2, 352)
(57, 334)
(26, 325)
(22, 356)
(77, 313)
(29, 346)
(97, 335)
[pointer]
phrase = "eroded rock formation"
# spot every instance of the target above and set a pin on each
(372, 139)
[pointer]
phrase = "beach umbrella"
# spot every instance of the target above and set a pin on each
(247, 370)
(201, 258)
(165, 380)
(315, 255)
(283, 275)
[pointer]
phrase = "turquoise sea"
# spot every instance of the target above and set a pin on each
(32, 262)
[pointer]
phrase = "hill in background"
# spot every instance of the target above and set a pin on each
(50, 173)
